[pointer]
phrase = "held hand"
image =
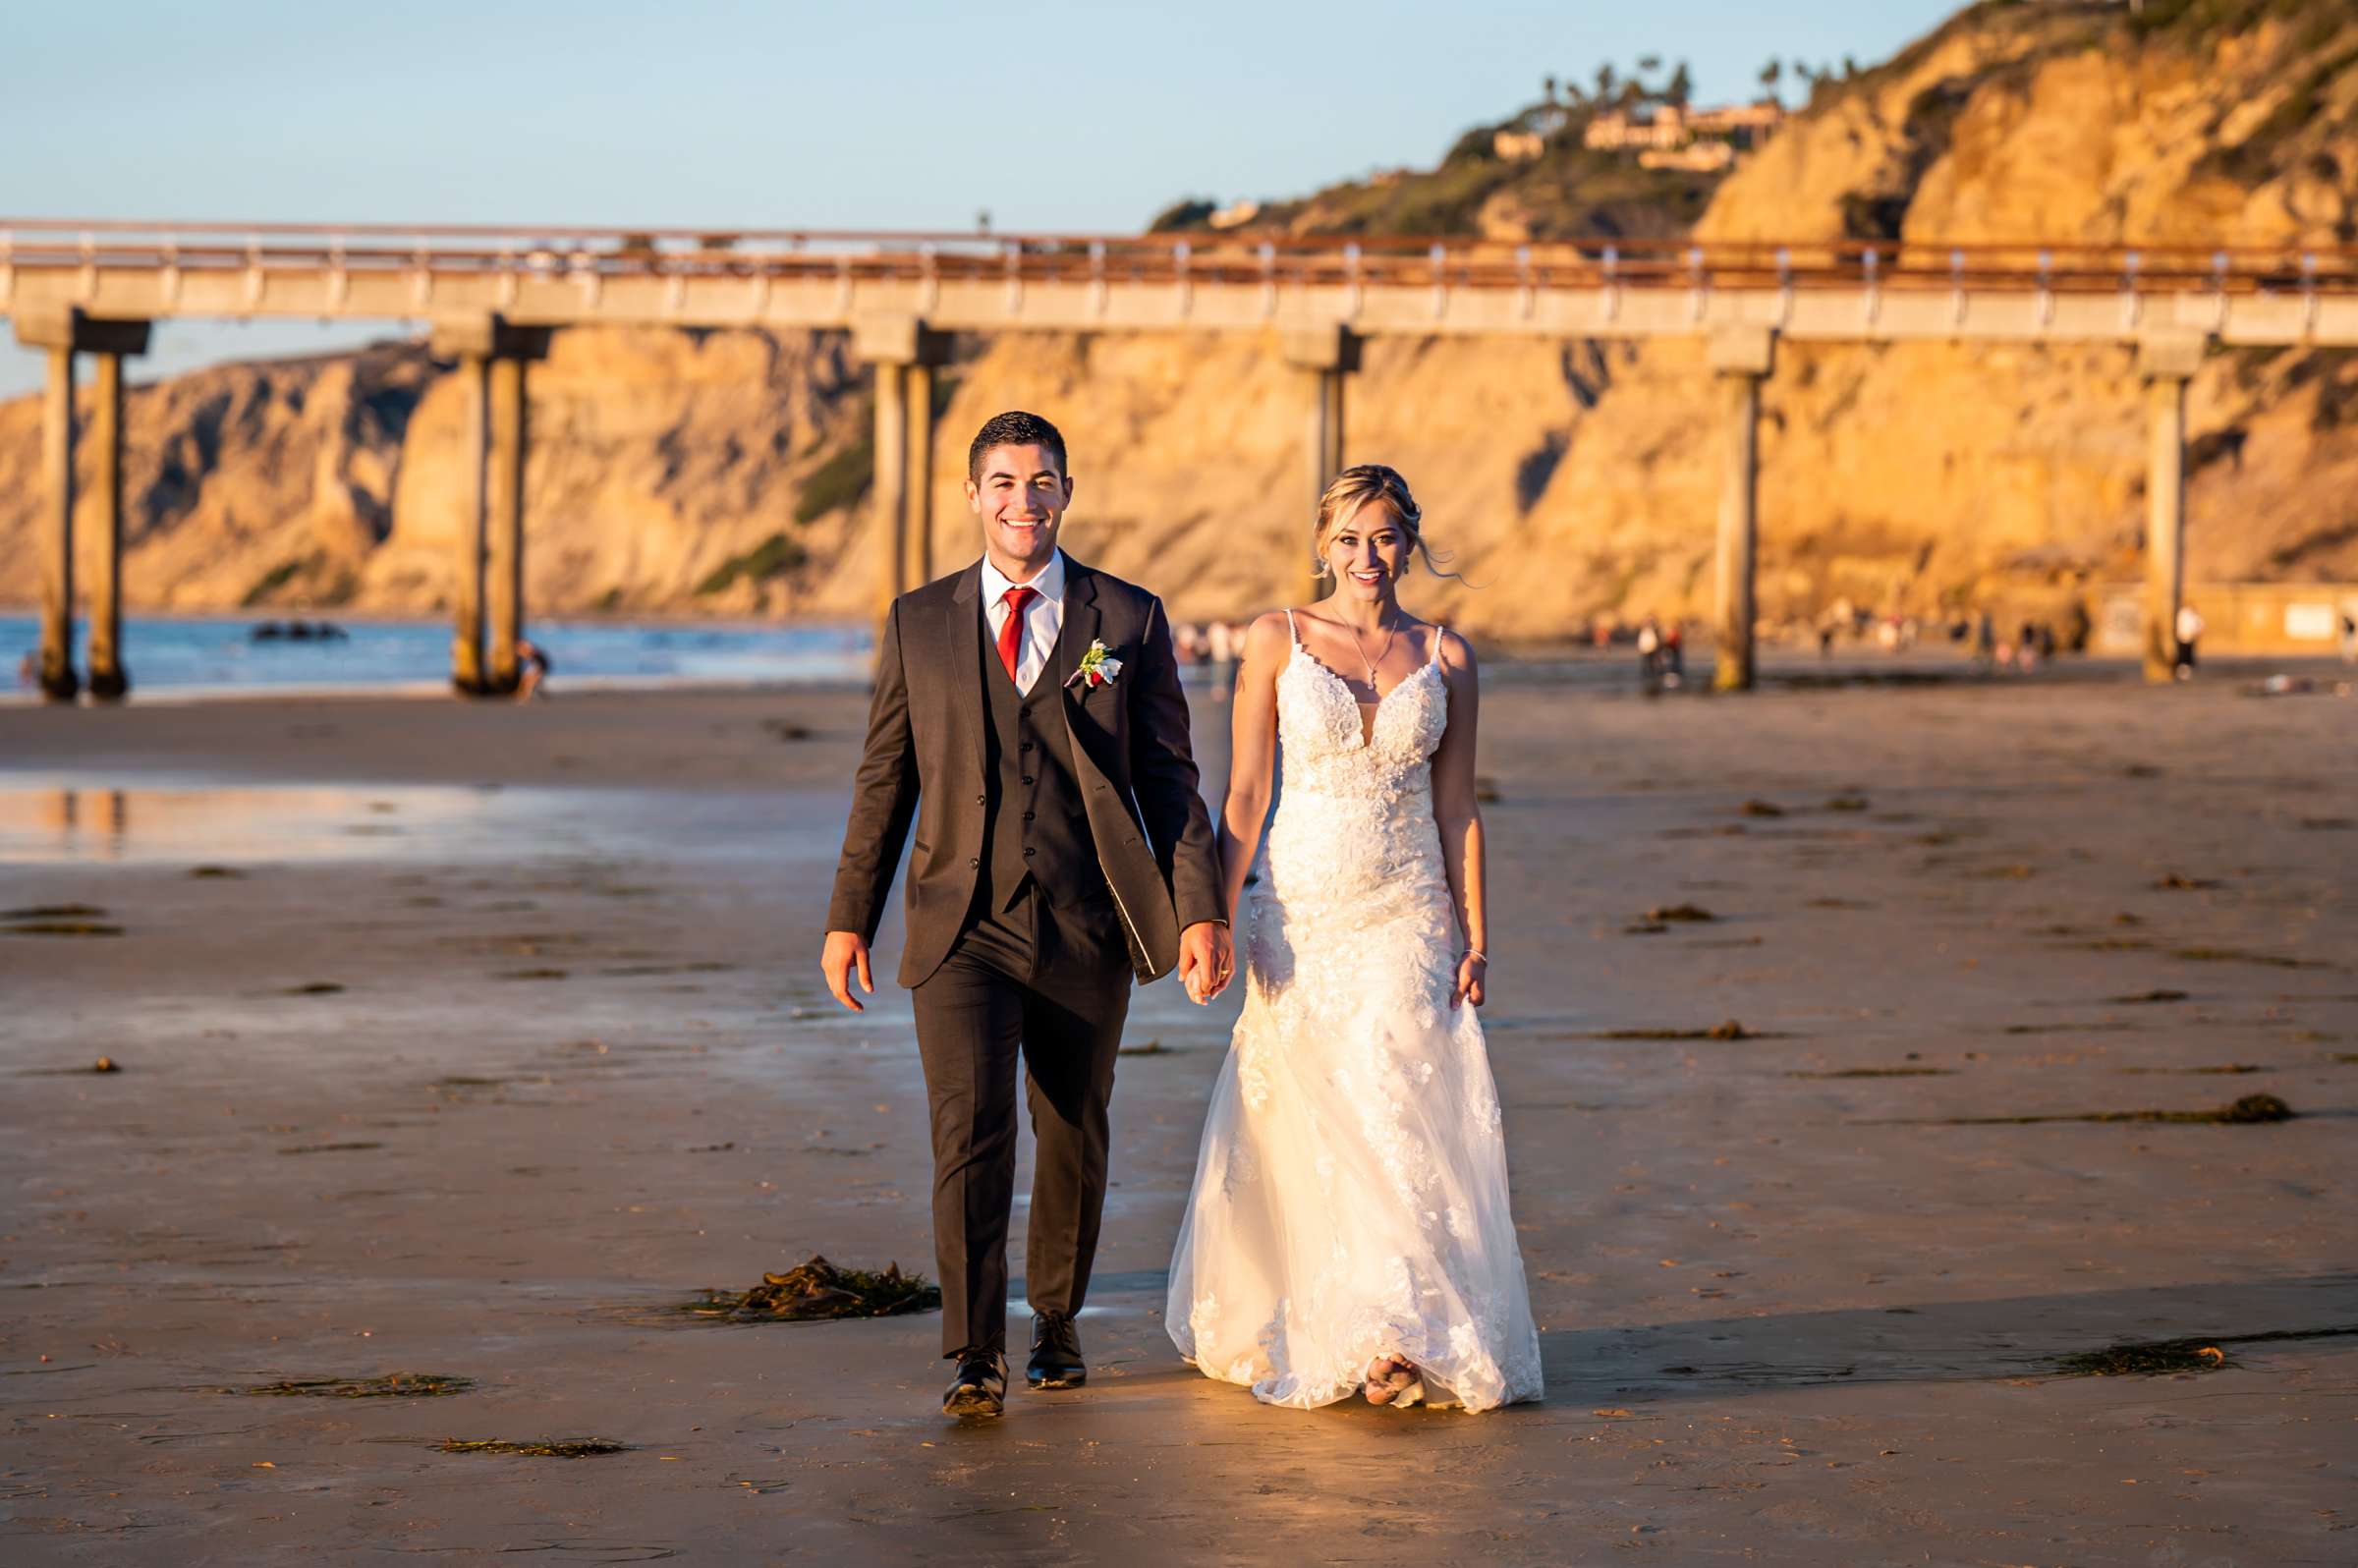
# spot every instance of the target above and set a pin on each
(1206, 960)
(846, 951)
(1472, 970)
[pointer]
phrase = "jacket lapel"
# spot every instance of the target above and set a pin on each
(1080, 627)
(966, 658)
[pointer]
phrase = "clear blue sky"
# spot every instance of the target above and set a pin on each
(730, 113)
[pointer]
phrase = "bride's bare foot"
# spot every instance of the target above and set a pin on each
(1389, 1377)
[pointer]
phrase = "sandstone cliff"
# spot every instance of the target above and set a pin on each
(721, 472)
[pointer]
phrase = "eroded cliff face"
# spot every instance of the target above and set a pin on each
(723, 472)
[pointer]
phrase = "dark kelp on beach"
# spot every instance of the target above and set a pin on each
(2162, 1356)
(387, 1385)
(818, 1291)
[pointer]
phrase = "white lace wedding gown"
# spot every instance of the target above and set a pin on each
(1350, 1197)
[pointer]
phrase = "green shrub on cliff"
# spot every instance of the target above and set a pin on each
(775, 556)
(838, 482)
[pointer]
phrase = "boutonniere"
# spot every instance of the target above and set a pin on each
(1097, 668)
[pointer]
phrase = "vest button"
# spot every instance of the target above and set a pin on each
(982, 800)
(1026, 747)
(1029, 852)
(1028, 778)
(1026, 816)
(972, 864)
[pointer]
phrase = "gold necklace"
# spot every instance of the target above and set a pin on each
(1358, 647)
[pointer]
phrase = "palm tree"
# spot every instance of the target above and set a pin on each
(1682, 86)
(1770, 74)
(1605, 78)
(1547, 87)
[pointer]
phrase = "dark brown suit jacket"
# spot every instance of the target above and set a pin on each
(925, 757)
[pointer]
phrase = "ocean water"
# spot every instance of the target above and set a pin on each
(209, 655)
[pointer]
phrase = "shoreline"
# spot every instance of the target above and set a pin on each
(1781, 671)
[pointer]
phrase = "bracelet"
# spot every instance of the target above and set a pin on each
(1475, 952)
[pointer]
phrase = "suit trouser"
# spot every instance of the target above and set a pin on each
(1052, 985)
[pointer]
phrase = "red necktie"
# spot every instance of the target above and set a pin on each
(1011, 632)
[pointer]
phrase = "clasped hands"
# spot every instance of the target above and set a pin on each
(1207, 962)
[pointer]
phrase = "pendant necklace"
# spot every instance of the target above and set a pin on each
(1359, 649)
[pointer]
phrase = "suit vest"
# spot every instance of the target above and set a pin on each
(1035, 825)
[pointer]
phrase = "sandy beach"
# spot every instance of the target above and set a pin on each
(474, 1040)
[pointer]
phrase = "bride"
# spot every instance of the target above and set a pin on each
(1348, 1232)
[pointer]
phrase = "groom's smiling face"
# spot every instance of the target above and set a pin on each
(1019, 495)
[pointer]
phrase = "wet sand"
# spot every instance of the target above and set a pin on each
(502, 1037)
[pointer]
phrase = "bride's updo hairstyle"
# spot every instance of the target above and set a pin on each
(1356, 488)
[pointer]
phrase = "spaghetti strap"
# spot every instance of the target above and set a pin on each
(1439, 633)
(1291, 630)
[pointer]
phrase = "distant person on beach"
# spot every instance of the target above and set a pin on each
(2189, 631)
(532, 666)
(1027, 731)
(2349, 638)
(28, 669)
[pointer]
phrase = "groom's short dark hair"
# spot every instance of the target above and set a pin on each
(1015, 427)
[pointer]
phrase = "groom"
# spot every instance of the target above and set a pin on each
(1027, 719)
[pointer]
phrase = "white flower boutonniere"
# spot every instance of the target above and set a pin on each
(1097, 668)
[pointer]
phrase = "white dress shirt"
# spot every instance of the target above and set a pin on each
(1043, 617)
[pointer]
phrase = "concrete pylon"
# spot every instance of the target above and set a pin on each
(1325, 354)
(61, 332)
(109, 681)
(905, 353)
(492, 352)
(2166, 363)
(1741, 357)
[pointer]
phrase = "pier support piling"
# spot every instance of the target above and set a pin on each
(61, 333)
(2166, 363)
(1741, 357)
(492, 353)
(61, 682)
(109, 683)
(1325, 354)
(905, 353)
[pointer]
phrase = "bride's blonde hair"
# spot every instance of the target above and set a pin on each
(1355, 487)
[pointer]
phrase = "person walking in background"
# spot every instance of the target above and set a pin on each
(2189, 632)
(533, 667)
(2349, 637)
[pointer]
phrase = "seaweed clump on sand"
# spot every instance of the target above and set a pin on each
(818, 1291)
(571, 1449)
(57, 920)
(391, 1385)
(1727, 1029)
(2250, 1111)
(2160, 1357)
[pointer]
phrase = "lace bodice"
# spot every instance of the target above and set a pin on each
(1320, 730)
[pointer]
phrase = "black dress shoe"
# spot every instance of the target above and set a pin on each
(1055, 1353)
(981, 1387)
